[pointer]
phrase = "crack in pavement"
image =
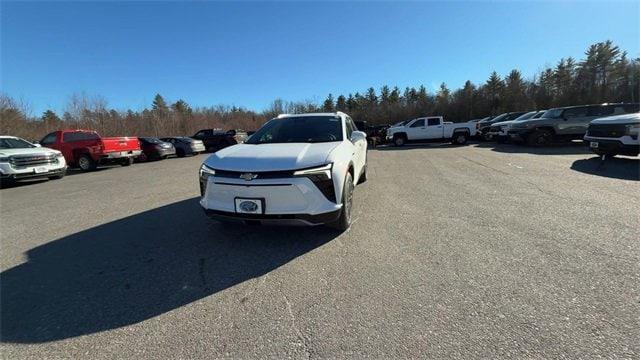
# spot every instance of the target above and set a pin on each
(299, 333)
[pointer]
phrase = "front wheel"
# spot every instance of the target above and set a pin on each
(399, 141)
(540, 138)
(344, 221)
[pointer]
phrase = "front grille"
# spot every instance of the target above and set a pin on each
(33, 160)
(607, 130)
(260, 174)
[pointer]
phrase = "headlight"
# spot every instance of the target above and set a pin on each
(204, 174)
(206, 171)
(59, 155)
(321, 178)
(4, 159)
(324, 170)
(632, 129)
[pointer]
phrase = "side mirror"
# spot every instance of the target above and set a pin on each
(358, 135)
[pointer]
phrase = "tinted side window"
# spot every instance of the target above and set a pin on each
(575, 112)
(433, 122)
(600, 110)
(48, 139)
(631, 108)
(418, 123)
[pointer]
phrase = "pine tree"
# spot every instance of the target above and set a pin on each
(327, 106)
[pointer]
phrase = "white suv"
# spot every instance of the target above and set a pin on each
(296, 169)
(20, 159)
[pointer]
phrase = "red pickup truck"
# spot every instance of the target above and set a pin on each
(86, 149)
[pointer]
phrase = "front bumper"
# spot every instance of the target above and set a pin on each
(286, 200)
(198, 148)
(276, 219)
(29, 173)
(518, 133)
(611, 146)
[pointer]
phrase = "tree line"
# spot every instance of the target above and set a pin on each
(605, 74)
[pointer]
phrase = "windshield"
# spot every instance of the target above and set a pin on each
(300, 129)
(11, 143)
(402, 123)
(552, 114)
(539, 114)
(497, 118)
(526, 116)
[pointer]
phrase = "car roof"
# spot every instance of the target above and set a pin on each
(312, 114)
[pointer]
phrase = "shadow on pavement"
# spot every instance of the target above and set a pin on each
(133, 269)
(617, 167)
(568, 148)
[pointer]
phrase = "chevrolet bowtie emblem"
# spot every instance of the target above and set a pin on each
(248, 176)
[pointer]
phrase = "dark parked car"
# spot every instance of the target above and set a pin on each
(155, 149)
(483, 126)
(375, 134)
(215, 139)
(185, 145)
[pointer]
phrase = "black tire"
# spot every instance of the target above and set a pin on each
(501, 140)
(6, 183)
(460, 138)
(86, 163)
(344, 221)
(127, 162)
(180, 152)
(540, 138)
(399, 140)
(486, 137)
(363, 176)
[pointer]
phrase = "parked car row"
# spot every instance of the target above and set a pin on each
(608, 129)
(86, 150)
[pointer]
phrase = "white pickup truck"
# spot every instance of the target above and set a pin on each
(432, 128)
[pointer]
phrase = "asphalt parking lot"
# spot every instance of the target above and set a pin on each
(473, 251)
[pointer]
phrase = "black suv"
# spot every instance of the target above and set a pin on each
(215, 139)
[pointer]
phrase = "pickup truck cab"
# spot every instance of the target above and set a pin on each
(86, 149)
(614, 135)
(20, 159)
(432, 128)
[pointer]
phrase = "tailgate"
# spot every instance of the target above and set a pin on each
(120, 144)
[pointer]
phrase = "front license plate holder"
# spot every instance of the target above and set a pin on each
(40, 170)
(249, 205)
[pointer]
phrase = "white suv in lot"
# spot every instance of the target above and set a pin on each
(296, 169)
(20, 159)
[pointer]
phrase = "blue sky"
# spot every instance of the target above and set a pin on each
(248, 54)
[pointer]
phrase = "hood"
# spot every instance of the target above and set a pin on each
(395, 128)
(27, 151)
(633, 118)
(271, 157)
